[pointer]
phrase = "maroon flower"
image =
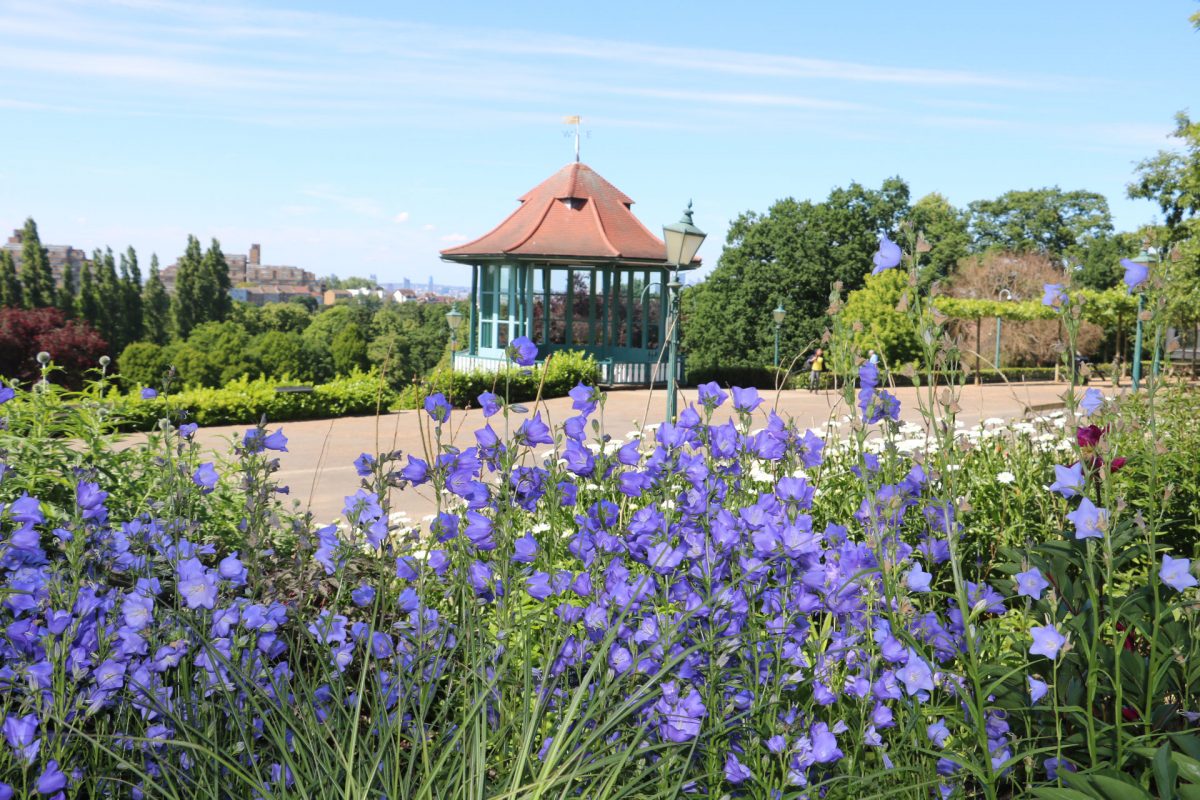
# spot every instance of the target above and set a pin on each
(1088, 436)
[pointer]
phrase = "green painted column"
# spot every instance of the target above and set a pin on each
(473, 313)
(1137, 346)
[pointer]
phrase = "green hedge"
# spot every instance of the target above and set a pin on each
(246, 401)
(758, 377)
(765, 377)
(1009, 375)
(562, 372)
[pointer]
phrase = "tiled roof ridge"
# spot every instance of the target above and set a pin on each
(603, 232)
(539, 226)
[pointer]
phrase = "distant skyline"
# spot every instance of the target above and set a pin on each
(365, 139)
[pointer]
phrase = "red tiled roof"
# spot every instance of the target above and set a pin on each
(573, 215)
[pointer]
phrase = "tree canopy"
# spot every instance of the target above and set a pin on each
(1051, 221)
(792, 255)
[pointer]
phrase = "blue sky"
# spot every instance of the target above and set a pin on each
(361, 137)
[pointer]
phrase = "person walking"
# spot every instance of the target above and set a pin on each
(816, 367)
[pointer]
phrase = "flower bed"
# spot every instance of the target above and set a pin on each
(719, 609)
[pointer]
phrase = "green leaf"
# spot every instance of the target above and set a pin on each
(1061, 794)
(1165, 773)
(1189, 767)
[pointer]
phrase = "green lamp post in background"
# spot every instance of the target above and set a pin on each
(1147, 256)
(454, 318)
(683, 239)
(1005, 294)
(778, 315)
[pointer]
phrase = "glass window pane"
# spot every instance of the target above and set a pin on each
(558, 306)
(502, 289)
(580, 288)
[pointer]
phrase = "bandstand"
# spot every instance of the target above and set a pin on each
(573, 269)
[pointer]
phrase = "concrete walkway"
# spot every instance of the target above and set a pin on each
(319, 463)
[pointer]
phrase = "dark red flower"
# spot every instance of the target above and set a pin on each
(1088, 436)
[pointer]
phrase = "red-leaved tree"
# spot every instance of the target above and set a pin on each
(73, 345)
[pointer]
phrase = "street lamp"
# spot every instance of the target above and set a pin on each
(778, 315)
(1005, 294)
(1147, 256)
(454, 318)
(683, 239)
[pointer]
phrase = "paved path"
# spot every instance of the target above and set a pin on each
(319, 463)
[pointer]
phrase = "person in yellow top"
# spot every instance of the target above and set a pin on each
(816, 365)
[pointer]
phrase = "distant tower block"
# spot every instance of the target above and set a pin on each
(431, 283)
(255, 255)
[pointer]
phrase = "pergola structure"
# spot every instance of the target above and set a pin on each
(573, 269)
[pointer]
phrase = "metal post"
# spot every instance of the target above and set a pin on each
(1137, 346)
(673, 351)
(776, 345)
(997, 361)
(1154, 367)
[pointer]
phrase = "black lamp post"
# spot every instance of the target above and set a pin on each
(683, 239)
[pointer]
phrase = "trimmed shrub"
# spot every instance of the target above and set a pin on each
(247, 401)
(562, 372)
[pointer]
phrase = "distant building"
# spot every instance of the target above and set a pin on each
(261, 295)
(258, 283)
(332, 296)
(62, 257)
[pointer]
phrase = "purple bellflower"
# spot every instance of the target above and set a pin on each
(1177, 573)
(1047, 641)
(887, 256)
(523, 351)
(1135, 273)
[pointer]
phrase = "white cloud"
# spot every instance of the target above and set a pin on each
(401, 217)
(188, 59)
(362, 206)
(428, 227)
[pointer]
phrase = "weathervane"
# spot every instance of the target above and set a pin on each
(575, 120)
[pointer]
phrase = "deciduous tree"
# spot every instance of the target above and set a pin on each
(1050, 221)
(944, 230)
(792, 255)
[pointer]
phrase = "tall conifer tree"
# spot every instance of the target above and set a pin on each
(87, 301)
(108, 288)
(11, 295)
(37, 278)
(156, 307)
(187, 307)
(66, 293)
(218, 302)
(131, 297)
